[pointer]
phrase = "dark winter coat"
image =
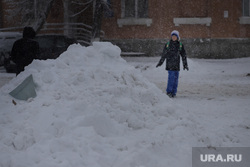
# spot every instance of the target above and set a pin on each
(25, 50)
(172, 52)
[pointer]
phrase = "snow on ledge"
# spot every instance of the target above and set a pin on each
(134, 21)
(205, 20)
(244, 20)
(10, 34)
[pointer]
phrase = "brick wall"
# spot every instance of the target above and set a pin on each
(216, 48)
(162, 13)
(224, 37)
(224, 31)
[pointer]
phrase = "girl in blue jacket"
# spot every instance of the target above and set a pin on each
(172, 52)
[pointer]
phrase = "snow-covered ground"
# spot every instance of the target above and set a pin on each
(94, 109)
(5, 77)
(216, 91)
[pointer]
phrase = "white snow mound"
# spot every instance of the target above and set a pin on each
(93, 110)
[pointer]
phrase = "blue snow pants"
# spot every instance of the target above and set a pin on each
(173, 77)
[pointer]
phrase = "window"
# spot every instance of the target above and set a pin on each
(136, 8)
(134, 12)
(246, 7)
(245, 19)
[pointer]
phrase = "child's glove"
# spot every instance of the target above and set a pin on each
(185, 68)
(158, 65)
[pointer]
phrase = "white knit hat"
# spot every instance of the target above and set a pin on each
(176, 33)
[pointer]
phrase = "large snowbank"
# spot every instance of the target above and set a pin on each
(94, 110)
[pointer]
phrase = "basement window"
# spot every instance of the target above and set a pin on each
(134, 12)
(245, 19)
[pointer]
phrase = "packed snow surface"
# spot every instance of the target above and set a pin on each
(93, 109)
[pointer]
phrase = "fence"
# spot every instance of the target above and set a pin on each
(80, 31)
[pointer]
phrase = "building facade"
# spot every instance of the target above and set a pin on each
(208, 28)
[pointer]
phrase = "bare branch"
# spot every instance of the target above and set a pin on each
(80, 3)
(80, 11)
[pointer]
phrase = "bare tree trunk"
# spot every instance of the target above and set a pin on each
(98, 10)
(66, 17)
(1, 15)
(42, 16)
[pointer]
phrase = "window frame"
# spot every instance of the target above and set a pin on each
(136, 20)
(243, 8)
(245, 19)
(136, 9)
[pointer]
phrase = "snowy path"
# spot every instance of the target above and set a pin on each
(217, 91)
(206, 79)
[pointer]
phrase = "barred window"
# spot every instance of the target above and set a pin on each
(246, 7)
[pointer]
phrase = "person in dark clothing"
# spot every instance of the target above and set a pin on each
(25, 50)
(172, 52)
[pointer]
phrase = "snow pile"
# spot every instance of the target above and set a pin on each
(94, 110)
